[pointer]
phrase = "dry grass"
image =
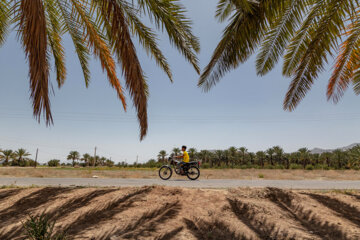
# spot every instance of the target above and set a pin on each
(178, 213)
(43, 172)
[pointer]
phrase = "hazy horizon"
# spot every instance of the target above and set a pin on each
(243, 110)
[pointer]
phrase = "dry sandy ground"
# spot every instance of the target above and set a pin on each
(175, 213)
(205, 173)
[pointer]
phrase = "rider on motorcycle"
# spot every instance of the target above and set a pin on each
(185, 158)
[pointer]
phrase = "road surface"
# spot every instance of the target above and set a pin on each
(208, 183)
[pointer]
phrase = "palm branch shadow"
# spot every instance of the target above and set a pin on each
(170, 235)
(308, 219)
(260, 226)
(149, 222)
(95, 217)
(24, 205)
(341, 208)
(9, 193)
(13, 233)
(357, 197)
(214, 230)
(76, 203)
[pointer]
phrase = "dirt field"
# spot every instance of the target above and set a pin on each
(175, 213)
(205, 173)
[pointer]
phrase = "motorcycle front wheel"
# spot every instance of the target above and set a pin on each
(165, 172)
(193, 173)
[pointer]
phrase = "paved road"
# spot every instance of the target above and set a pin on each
(210, 183)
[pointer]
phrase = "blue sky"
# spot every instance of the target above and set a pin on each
(243, 110)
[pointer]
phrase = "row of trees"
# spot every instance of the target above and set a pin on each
(88, 160)
(21, 157)
(232, 157)
(18, 157)
(274, 157)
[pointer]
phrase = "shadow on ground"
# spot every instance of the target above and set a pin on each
(340, 208)
(309, 220)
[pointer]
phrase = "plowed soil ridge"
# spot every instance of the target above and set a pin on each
(180, 213)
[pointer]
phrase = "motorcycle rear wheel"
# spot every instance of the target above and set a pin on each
(165, 172)
(193, 173)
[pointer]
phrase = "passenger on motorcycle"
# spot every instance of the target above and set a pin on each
(185, 159)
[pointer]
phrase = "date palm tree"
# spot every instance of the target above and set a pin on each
(326, 157)
(354, 154)
(218, 156)
(102, 161)
(304, 155)
(176, 151)
(252, 157)
(20, 156)
(339, 155)
(243, 151)
(306, 33)
(270, 152)
(86, 158)
(162, 155)
(192, 153)
(233, 154)
(7, 155)
(73, 156)
(279, 152)
(205, 156)
(260, 156)
(104, 28)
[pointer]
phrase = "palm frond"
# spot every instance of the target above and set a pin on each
(299, 42)
(323, 40)
(347, 62)
(71, 26)
(54, 36)
(99, 46)
(170, 15)
(4, 20)
(225, 8)
(32, 32)
(239, 41)
(356, 81)
(126, 54)
(146, 37)
(276, 39)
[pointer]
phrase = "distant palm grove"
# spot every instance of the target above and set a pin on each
(272, 158)
(21, 157)
(233, 157)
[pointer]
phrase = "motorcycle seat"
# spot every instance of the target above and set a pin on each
(193, 162)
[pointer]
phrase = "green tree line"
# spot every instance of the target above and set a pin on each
(274, 157)
(21, 157)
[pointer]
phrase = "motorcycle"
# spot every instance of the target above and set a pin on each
(190, 169)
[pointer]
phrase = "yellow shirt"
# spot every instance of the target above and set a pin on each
(186, 157)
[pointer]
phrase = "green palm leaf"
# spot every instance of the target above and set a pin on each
(127, 57)
(99, 46)
(239, 41)
(170, 15)
(346, 64)
(54, 35)
(276, 39)
(4, 20)
(309, 32)
(147, 38)
(32, 32)
(70, 26)
(324, 38)
(105, 34)
(299, 42)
